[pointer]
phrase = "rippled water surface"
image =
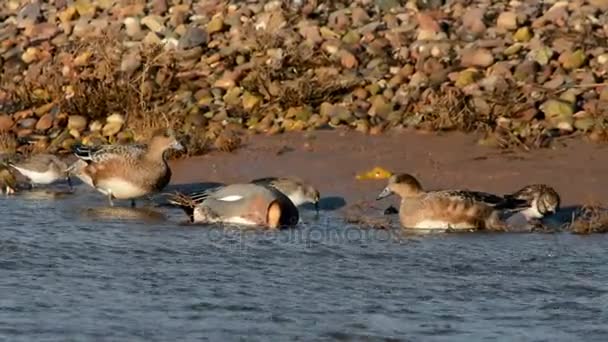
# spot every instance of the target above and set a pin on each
(72, 269)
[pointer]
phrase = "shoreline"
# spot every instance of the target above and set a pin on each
(329, 160)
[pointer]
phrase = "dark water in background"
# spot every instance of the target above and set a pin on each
(66, 274)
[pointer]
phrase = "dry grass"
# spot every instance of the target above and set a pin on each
(290, 80)
(95, 86)
(8, 143)
(592, 219)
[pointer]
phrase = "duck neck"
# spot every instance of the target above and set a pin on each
(407, 192)
(156, 155)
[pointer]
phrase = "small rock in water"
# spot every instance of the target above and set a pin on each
(391, 211)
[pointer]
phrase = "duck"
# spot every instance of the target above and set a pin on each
(533, 201)
(298, 191)
(455, 210)
(43, 169)
(244, 204)
(126, 171)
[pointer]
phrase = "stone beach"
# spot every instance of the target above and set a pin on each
(515, 73)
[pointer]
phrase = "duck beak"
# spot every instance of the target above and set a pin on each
(385, 193)
(317, 207)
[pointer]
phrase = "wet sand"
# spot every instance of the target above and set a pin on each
(331, 159)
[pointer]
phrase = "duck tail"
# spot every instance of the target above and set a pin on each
(185, 202)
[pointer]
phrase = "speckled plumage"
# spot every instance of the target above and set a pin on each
(538, 200)
(102, 153)
(126, 171)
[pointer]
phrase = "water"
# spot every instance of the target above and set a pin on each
(69, 274)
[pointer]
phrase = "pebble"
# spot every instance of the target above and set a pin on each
(153, 23)
(194, 36)
(132, 27)
(477, 57)
(6, 122)
(507, 21)
(30, 55)
(391, 55)
(45, 122)
(77, 122)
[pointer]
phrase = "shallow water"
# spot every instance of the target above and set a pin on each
(70, 270)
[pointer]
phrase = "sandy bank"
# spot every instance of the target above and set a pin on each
(330, 160)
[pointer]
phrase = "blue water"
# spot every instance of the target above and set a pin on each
(72, 270)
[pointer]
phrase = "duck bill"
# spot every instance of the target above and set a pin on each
(385, 193)
(317, 207)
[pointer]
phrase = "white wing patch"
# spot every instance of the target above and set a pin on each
(231, 198)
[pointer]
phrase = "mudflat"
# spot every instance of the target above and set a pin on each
(330, 160)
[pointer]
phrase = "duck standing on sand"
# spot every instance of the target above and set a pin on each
(126, 171)
(43, 169)
(298, 191)
(445, 210)
(245, 204)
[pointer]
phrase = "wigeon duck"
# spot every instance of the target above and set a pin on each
(43, 169)
(126, 171)
(298, 191)
(244, 204)
(446, 210)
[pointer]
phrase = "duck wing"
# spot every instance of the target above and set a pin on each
(100, 153)
(475, 196)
